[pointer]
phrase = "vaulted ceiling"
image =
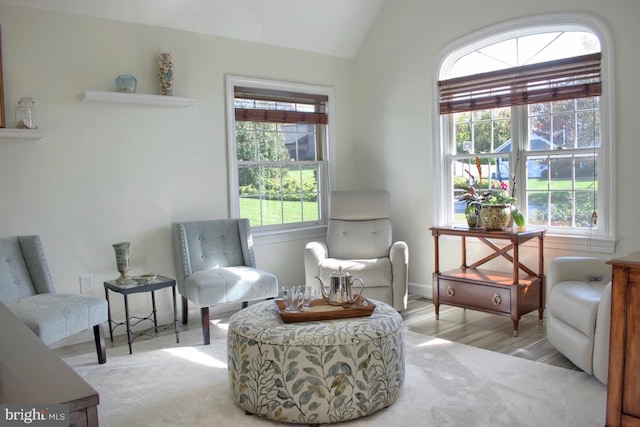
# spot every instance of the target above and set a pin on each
(330, 27)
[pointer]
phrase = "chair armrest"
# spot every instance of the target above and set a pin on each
(601, 336)
(399, 257)
(314, 252)
(578, 269)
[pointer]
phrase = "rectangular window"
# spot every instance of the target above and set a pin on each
(542, 139)
(564, 191)
(558, 152)
(480, 158)
(279, 141)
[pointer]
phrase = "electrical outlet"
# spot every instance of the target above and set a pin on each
(86, 284)
(594, 278)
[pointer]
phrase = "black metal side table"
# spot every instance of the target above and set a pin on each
(158, 283)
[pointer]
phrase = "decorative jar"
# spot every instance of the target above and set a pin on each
(26, 114)
(126, 83)
(495, 217)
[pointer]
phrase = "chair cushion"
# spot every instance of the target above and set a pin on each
(213, 244)
(576, 304)
(229, 284)
(54, 317)
(359, 239)
(360, 205)
(15, 281)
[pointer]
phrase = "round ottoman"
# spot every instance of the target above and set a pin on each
(315, 372)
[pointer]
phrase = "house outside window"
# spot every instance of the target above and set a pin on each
(278, 136)
(525, 108)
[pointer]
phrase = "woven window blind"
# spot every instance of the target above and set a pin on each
(281, 106)
(568, 78)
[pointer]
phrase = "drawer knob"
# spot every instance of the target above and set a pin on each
(497, 299)
(450, 291)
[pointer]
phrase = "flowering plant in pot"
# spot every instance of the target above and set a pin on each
(500, 202)
(501, 197)
(472, 198)
(496, 208)
(507, 201)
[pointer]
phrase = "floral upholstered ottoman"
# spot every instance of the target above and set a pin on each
(315, 372)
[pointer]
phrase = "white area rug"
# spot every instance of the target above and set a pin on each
(446, 384)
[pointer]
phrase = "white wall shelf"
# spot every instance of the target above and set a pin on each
(21, 134)
(135, 98)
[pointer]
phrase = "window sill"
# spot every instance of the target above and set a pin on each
(580, 243)
(569, 243)
(283, 236)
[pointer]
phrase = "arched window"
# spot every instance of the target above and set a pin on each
(526, 105)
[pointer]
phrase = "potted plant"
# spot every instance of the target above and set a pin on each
(472, 199)
(494, 208)
(471, 214)
(501, 207)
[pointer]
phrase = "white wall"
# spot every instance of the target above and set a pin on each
(397, 73)
(106, 173)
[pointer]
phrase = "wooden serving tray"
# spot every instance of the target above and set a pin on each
(319, 309)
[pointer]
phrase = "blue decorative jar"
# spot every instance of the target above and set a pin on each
(126, 83)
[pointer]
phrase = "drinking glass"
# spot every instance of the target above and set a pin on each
(309, 294)
(292, 297)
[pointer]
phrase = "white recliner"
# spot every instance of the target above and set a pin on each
(359, 239)
(579, 312)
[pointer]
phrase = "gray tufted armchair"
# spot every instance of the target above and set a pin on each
(215, 265)
(26, 288)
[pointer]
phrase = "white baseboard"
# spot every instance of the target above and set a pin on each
(421, 289)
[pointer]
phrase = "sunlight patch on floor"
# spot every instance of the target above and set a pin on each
(434, 341)
(219, 324)
(194, 355)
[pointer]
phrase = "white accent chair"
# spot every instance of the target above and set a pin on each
(579, 312)
(359, 239)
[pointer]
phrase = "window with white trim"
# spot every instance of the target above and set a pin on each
(278, 137)
(523, 108)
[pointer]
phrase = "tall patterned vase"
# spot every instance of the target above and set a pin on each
(165, 72)
(122, 262)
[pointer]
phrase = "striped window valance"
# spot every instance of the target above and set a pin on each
(274, 106)
(568, 78)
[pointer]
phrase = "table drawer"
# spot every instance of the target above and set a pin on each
(482, 297)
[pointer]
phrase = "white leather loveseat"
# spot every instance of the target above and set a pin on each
(579, 312)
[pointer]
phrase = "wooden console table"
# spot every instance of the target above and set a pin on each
(623, 385)
(513, 294)
(31, 374)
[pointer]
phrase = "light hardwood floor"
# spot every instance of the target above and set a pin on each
(484, 330)
(478, 329)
